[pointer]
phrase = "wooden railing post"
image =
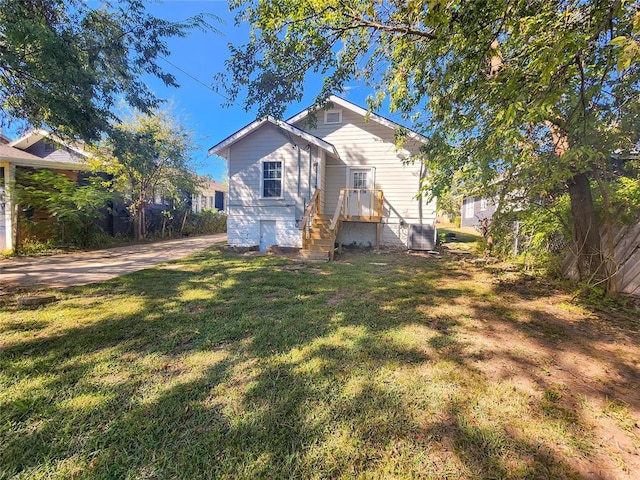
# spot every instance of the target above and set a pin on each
(312, 210)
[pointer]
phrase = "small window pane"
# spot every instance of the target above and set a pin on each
(360, 180)
(469, 207)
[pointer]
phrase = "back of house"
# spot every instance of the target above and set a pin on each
(338, 180)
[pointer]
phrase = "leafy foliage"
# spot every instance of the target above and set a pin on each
(526, 98)
(64, 64)
(207, 221)
(149, 155)
(72, 209)
(536, 235)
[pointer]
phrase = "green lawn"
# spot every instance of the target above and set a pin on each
(374, 366)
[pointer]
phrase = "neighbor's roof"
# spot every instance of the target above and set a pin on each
(36, 135)
(209, 185)
(341, 102)
(25, 159)
(222, 147)
(7, 152)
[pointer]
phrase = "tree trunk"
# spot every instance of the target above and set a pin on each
(143, 223)
(184, 220)
(586, 249)
(136, 225)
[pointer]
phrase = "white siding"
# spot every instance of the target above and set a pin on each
(336, 178)
(359, 144)
(370, 144)
(394, 234)
(245, 206)
(322, 180)
(243, 227)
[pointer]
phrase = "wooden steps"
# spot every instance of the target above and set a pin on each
(319, 243)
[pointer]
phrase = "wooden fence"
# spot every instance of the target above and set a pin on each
(627, 256)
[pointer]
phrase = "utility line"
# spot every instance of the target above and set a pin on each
(196, 79)
(191, 76)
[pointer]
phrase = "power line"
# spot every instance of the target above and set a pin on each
(208, 87)
(191, 76)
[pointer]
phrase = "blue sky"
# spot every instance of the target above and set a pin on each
(202, 55)
(194, 60)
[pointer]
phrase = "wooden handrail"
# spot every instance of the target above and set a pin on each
(308, 212)
(336, 214)
(373, 203)
(307, 220)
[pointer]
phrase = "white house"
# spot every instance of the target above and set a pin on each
(340, 182)
(210, 195)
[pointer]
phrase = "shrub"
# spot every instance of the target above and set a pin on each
(62, 212)
(207, 221)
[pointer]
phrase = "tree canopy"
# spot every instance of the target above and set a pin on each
(526, 96)
(64, 65)
(148, 155)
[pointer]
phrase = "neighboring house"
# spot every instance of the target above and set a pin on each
(211, 195)
(36, 150)
(340, 182)
(40, 149)
(475, 210)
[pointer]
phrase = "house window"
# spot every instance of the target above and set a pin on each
(483, 204)
(332, 116)
(468, 212)
(272, 179)
(360, 180)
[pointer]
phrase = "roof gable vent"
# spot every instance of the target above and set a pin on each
(332, 116)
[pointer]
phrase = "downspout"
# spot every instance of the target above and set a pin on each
(309, 178)
(315, 175)
(299, 172)
(420, 190)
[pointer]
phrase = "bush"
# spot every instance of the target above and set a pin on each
(457, 221)
(57, 210)
(205, 222)
(537, 236)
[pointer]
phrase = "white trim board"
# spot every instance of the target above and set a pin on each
(221, 148)
(341, 102)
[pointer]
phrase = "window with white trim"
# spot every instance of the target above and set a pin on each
(332, 116)
(483, 204)
(272, 179)
(360, 180)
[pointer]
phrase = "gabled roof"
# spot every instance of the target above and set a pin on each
(7, 152)
(222, 147)
(25, 159)
(209, 184)
(341, 102)
(36, 135)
